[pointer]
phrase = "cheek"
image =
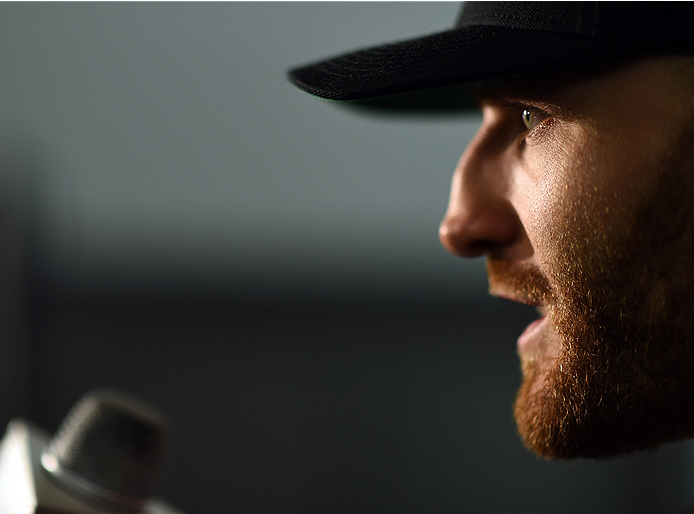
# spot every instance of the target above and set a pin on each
(558, 191)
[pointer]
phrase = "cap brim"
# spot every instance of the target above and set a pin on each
(385, 77)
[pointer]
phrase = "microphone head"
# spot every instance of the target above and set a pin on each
(109, 451)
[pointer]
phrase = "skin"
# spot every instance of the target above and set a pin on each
(585, 213)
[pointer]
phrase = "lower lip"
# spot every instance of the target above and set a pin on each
(531, 338)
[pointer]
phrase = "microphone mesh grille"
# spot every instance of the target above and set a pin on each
(113, 444)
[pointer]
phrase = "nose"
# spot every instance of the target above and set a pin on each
(480, 217)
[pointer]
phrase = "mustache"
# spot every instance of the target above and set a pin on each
(521, 282)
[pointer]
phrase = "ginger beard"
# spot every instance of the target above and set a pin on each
(620, 301)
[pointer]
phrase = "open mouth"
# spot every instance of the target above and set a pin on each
(531, 339)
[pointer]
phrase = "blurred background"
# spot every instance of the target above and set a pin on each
(179, 222)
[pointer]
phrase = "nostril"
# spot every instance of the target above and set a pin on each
(481, 247)
(474, 248)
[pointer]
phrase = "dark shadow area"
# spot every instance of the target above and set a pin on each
(328, 404)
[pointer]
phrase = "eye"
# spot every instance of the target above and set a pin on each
(529, 119)
(532, 117)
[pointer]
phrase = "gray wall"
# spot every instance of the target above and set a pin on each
(183, 224)
(172, 145)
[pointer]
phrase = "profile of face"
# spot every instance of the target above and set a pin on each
(579, 190)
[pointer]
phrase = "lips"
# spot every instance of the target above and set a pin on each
(539, 306)
(530, 341)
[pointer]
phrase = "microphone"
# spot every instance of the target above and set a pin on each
(105, 458)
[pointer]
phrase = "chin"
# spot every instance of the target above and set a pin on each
(581, 408)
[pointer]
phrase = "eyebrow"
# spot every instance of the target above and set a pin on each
(493, 90)
(542, 85)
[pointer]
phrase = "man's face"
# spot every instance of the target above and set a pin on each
(579, 189)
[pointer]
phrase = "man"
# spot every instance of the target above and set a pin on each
(579, 190)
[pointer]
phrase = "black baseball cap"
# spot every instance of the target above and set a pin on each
(497, 39)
